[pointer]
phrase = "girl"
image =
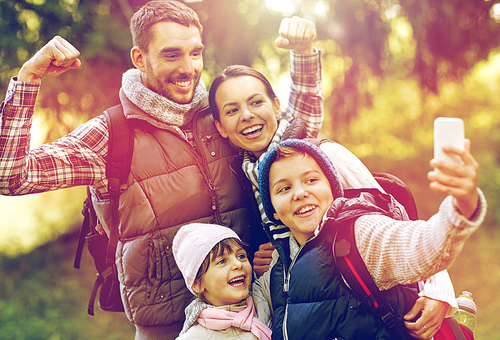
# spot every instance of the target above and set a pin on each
(214, 263)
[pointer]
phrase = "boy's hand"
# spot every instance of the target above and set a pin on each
(262, 258)
(56, 57)
(296, 34)
(429, 322)
(462, 183)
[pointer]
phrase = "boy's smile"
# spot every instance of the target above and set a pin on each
(300, 194)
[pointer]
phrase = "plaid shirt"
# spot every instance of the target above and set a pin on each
(79, 157)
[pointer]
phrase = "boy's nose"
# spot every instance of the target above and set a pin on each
(299, 193)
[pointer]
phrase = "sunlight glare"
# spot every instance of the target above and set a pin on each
(286, 7)
(495, 12)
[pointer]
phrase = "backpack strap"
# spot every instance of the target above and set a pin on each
(399, 190)
(88, 216)
(120, 148)
(359, 280)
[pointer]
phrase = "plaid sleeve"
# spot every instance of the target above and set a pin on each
(75, 159)
(306, 94)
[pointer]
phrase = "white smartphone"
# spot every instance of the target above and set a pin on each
(448, 132)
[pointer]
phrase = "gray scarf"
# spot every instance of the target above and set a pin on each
(158, 106)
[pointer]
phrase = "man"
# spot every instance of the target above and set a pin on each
(180, 167)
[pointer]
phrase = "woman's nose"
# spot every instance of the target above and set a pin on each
(246, 114)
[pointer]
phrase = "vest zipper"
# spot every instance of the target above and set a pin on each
(203, 165)
(286, 282)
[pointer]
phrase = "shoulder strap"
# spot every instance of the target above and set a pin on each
(359, 280)
(120, 148)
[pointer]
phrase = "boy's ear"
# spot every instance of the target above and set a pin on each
(221, 129)
(276, 217)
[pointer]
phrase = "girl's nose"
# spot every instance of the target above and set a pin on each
(236, 263)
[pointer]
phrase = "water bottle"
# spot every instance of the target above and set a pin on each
(466, 314)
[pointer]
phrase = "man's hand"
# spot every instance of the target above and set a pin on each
(296, 34)
(56, 57)
(462, 183)
(433, 314)
(262, 258)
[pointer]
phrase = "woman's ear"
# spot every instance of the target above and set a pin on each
(277, 107)
(221, 129)
(138, 58)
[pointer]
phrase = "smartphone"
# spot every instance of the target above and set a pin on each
(448, 132)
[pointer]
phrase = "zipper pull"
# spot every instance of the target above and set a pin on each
(285, 285)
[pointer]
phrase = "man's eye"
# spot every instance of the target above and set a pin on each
(171, 56)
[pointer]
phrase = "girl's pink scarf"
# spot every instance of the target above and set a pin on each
(219, 319)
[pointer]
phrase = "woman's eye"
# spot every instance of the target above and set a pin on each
(231, 112)
(257, 102)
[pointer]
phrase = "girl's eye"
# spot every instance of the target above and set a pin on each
(221, 261)
(242, 256)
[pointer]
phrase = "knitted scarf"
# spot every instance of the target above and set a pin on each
(159, 107)
(251, 165)
(218, 319)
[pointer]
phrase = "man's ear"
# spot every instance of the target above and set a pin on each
(221, 129)
(138, 57)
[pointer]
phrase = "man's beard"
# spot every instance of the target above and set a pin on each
(162, 87)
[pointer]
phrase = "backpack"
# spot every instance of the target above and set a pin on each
(102, 249)
(359, 280)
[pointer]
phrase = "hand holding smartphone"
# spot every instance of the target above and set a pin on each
(448, 132)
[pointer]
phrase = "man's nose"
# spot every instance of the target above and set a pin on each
(186, 65)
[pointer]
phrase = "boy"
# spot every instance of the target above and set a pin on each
(300, 189)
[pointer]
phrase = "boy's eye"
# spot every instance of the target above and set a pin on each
(283, 189)
(311, 180)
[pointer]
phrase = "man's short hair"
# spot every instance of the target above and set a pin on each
(160, 11)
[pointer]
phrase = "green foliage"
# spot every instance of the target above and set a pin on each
(43, 297)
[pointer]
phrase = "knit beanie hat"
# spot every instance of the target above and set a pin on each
(301, 145)
(191, 245)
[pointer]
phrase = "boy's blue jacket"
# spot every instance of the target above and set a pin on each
(309, 297)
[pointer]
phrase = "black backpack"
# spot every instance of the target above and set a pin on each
(102, 249)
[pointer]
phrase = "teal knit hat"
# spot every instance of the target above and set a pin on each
(301, 145)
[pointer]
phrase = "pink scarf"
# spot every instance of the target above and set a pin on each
(219, 319)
